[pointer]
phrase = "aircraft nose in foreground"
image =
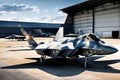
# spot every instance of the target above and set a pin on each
(109, 49)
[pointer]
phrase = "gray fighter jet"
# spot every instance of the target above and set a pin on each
(15, 36)
(70, 47)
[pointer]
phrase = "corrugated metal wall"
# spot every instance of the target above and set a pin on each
(83, 21)
(107, 19)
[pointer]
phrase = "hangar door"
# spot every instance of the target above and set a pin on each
(83, 22)
(107, 20)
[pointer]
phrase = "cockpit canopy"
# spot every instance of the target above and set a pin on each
(90, 36)
(94, 37)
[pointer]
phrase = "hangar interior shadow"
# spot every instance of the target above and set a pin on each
(64, 67)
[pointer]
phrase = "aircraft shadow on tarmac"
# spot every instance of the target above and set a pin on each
(64, 67)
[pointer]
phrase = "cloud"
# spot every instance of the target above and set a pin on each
(18, 19)
(45, 10)
(42, 18)
(4, 8)
(60, 18)
(56, 8)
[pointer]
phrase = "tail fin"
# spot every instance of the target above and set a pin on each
(59, 34)
(30, 40)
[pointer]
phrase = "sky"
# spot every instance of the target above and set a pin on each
(43, 11)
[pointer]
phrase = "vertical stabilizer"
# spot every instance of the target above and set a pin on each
(59, 34)
(30, 40)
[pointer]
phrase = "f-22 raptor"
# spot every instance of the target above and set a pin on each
(69, 47)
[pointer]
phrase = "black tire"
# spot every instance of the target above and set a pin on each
(41, 61)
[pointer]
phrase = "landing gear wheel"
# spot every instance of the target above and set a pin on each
(41, 61)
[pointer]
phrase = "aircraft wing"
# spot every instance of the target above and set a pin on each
(56, 45)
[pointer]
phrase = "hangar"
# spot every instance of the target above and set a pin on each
(11, 27)
(101, 17)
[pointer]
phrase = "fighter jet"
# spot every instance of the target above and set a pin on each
(15, 36)
(70, 47)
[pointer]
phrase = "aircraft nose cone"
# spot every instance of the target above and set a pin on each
(110, 49)
(114, 50)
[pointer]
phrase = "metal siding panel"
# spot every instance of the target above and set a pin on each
(83, 22)
(107, 21)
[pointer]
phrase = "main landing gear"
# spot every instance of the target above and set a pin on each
(86, 62)
(41, 60)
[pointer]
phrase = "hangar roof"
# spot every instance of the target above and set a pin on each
(87, 5)
(28, 24)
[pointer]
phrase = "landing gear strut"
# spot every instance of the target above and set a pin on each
(87, 58)
(86, 62)
(41, 60)
(87, 54)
